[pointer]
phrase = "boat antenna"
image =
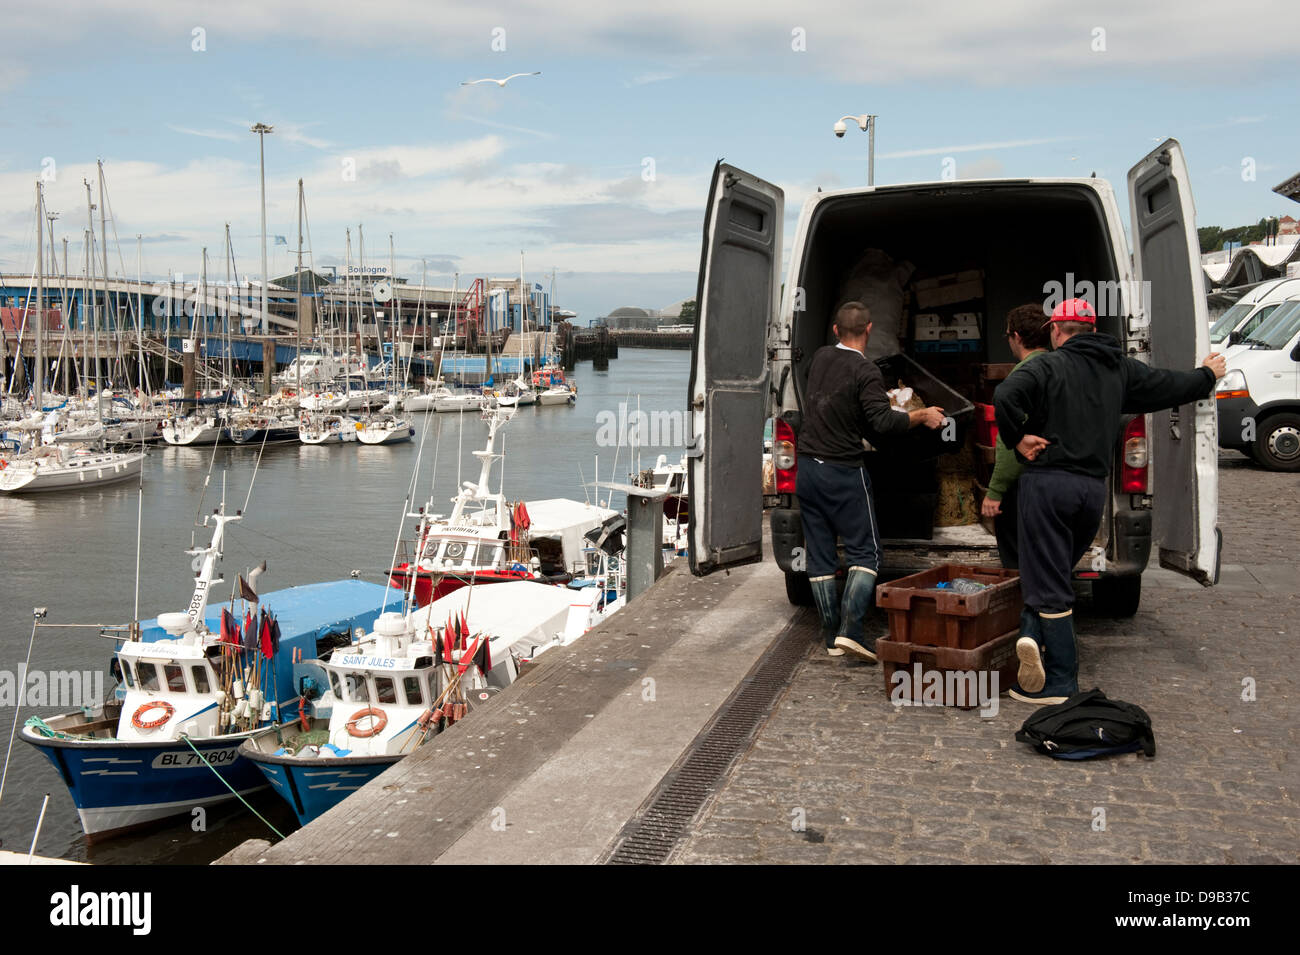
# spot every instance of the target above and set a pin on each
(582, 479)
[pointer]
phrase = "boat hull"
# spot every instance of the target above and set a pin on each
(313, 786)
(118, 786)
(20, 480)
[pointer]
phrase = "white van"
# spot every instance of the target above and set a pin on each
(755, 339)
(1259, 397)
(1250, 311)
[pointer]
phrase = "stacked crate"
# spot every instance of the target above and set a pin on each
(946, 631)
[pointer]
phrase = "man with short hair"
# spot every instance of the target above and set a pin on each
(845, 401)
(1062, 413)
(1028, 339)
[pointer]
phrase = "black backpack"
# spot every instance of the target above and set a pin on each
(1087, 725)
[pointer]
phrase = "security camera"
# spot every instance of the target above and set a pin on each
(840, 129)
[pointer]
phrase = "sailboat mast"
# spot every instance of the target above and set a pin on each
(37, 385)
(103, 256)
(298, 350)
(94, 325)
(231, 296)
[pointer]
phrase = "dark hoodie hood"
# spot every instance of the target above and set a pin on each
(1098, 347)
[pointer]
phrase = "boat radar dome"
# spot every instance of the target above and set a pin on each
(391, 624)
(175, 623)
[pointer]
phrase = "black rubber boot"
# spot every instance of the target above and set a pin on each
(859, 589)
(1059, 665)
(826, 595)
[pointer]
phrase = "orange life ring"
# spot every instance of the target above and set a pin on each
(152, 724)
(379, 719)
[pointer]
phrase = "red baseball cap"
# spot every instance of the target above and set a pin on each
(1074, 310)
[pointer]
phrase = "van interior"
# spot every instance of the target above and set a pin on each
(1019, 237)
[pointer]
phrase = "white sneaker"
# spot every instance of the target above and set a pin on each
(834, 652)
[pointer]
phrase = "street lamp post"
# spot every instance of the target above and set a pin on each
(262, 129)
(867, 123)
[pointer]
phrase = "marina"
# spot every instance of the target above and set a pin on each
(316, 514)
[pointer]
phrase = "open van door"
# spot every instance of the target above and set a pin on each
(737, 296)
(1184, 442)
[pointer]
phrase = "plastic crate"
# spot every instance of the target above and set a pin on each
(920, 614)
(953, 687)
(921, 443)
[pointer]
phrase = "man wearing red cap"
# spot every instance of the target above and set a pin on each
(1062, 415)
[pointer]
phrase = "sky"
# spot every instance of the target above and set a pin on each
(598, 169)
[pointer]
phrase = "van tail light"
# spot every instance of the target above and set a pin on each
(1133, 472)
(784, 458)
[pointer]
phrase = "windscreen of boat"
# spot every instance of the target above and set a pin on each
(355, 688)
(1278, 330)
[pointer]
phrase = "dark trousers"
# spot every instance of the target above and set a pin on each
(835, 500)
(1006, 528)
(1059, 513)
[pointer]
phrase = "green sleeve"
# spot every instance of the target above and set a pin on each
(1006, 471)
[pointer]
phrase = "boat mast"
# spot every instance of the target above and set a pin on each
(298, 351)
(40, 301)
(94, 325)
(231, 296)
(103, 253)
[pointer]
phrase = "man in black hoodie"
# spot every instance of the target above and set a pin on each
(845, 401)
(1062, 414)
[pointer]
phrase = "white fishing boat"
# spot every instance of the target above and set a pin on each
(487, 539)
(63, 467)
(385, 429)
(327, 429)
(195, 684)
(413, 677)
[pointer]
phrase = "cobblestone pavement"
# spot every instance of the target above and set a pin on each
(872, 783)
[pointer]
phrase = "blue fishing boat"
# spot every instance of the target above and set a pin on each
(194, 686)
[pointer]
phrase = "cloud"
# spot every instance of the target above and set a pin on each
(999, 42)
(974, 147)
(206, 133)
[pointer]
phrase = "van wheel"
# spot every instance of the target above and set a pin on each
(798, 590)
(1117, 596)
(1277, 443)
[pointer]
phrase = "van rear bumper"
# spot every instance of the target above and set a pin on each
(1128, 555)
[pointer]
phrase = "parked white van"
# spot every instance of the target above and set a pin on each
(1250, 311)
(1259, 397)
(755, 338)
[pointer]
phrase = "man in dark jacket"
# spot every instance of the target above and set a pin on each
(844, 402)
(1062, 413)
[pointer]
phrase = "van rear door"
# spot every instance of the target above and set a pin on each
(737, 296)
(1184, 442)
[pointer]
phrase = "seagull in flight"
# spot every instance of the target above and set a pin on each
(499, 82)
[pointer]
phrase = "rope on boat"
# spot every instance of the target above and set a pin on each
(228, 786)
(48, 731)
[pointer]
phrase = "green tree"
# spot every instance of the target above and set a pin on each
(687, 316)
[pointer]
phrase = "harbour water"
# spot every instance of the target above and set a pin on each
(316, 513)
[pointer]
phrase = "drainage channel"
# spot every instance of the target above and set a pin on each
(650, 837)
